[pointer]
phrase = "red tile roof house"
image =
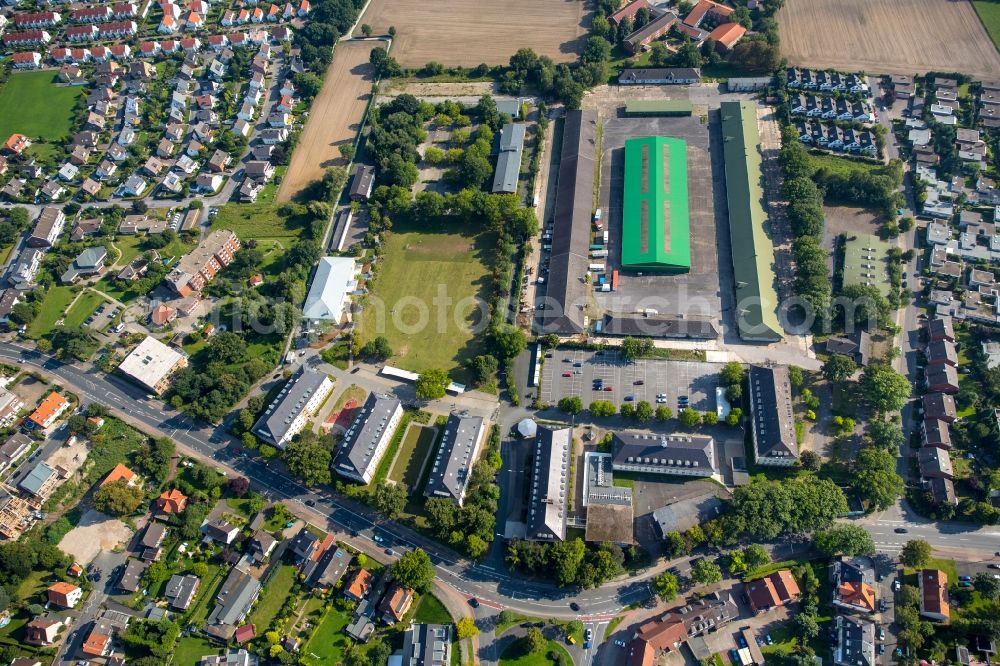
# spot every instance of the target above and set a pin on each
(65, 594)
(777, 589)
(42, 631)
(934, 595)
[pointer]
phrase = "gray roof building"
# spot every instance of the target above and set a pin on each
(771, 413)
(427, 645)
(132, 575)
(855, 641)
(234, 600)
(547, 503)
(566, 294)
(330, 569)
(180, 590)
(88, 262)
(362, 183)
(16, 446)
(298, 399)
(659, 327)
(509, 160)
(453, 462)
(367, 439)
(654, 75)
(934, 463)
(679, 454)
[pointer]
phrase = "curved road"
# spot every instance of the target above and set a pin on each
(494, 588)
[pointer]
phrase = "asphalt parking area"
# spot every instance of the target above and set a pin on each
(697, 293)
(642, 380)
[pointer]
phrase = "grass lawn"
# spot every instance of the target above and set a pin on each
(417, 445)
(841, 165)
(191, 649)
(31, 103)
(205, 599)
(240, 505)
(328, 641)
(257, 221)
(514, 655)
(56, 300)
(427, 272)
(989, 14)
(431, 611)
(83, 308)
(273, 597)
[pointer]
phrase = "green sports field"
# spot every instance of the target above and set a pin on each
(424, 296)
(32, 104)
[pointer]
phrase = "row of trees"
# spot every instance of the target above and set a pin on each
(570, 562)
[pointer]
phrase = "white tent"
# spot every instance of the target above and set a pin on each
(527, 428)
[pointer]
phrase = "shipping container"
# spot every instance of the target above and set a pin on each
(605, 236)
(597, 215)
(614, 280)
(597, 268)
(598, 253)
(597, 246)
(605, 287)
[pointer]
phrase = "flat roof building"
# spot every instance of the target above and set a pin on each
(773, 424)
(152, 365)
(567, 292)
(330, 293)
(752, 249)
(509, 160)
(547, 503)
(367, 439)
(40, 481)
(656, 234)
(298, 400)
(452, 466)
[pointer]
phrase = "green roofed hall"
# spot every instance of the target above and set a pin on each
(655, 228)
(753, 252)
(659, 107)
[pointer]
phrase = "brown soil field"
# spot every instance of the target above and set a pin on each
(888, 36)
(470, 32)
(335, 117)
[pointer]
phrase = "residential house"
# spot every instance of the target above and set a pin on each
(934, 604)
(772, 591)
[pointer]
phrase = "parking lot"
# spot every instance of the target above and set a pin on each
(642, 380)
(697, 293)
(103, 317)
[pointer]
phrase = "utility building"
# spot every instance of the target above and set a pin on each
(656, 234)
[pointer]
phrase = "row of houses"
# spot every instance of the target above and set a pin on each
(832, 137)
(829, 108)
(826, 81)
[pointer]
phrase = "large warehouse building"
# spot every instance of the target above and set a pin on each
(753, 252)
(656, 234)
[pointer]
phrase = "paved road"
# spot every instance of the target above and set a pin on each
(348, 518)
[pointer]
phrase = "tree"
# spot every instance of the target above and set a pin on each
(509, 340)
(600, 408)
(709, 418)
(731, 373)
(987, 585)
(239, 485)
(666, 586)
(483, 368)
(664, 413)
(572, 405)
(839, 368)
(534, 641)
(377, 349)
(366, 30)
(706, 572)
(389, 498)
(431, 384)
(627, 410)
(643, 410)
(755, 556)
(885, 434)
(633, 348)
(689, 418)
(883, 388)
(308, 459)
(916, 553)
(875, 478)
(118, 498)
(466, 628)
(811, 461)
(849, 540)
(413, 569)
(806, 626)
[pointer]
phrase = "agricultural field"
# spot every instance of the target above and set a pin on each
(32, 104)
(470, 32)
(422, 266)
(892, 36)
(989, 14)
(334, 119)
